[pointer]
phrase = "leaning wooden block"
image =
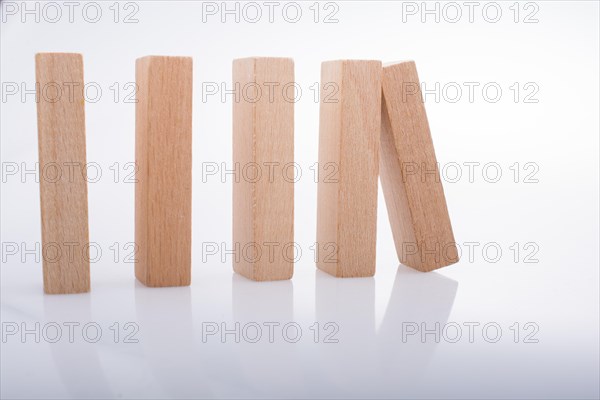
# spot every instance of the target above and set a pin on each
(63, 186)
(263, 154)
(348, 167)
(410, 177)
(163, 191)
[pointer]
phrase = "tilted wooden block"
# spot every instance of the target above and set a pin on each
(410, 177)
(63, 185)
(263, 154)
(348, 167)
(163, 191)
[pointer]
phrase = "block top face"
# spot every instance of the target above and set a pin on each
(351, 62)
(72, 59)
(336, 69)
(164, 58)
(263, 59)
(397, 63)
(78, 55)
(348, 60)
(152, 65)
(281, 61)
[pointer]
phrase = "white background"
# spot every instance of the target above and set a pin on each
(558, 55)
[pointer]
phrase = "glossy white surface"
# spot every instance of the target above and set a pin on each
(175, 357)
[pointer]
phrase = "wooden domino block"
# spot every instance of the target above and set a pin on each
(263, 155)
(163, 191)
(63, 185)
(409, 174)
(348, 167)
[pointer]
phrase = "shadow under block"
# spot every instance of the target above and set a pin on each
(263, 155)
(63, 186)
(410, 176)
(349, 134)
(163, 191)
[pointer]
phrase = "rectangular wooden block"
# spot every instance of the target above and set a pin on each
(63, 186)
(263, 155)
(163, 191)
(410, 177)
(348, 167)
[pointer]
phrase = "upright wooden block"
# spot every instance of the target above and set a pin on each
(263, 154)
(163, 191)
(63, 185)
(410, 177)
(348, 167)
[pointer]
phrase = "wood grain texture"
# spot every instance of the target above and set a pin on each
(163, 191)
(63, 186)
(348, 167)
(263, 151)
(410, 177)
